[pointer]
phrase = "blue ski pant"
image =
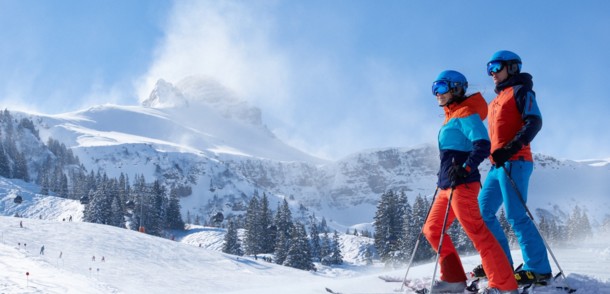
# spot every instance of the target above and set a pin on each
(498, 190)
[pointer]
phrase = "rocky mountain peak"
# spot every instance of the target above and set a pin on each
(196, 92)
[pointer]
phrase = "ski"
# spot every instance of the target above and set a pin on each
(393, 279)
(329, 290)
(531, 288)
(544, 287)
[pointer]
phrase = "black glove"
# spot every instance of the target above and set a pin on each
(502, 155)
(457, 172)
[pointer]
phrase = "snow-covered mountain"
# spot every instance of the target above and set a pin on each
(198, 134)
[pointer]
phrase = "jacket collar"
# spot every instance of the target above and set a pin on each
(523, 78)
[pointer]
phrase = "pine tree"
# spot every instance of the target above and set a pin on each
(64, 190)
(44, 184)
(368, 255)
(409, 231)
(605, 227)
(336, 256)
(585, 225)
(578, 225)
(325, 248)
(299, 253)
(269, 232)
(231, 243)
(5, 169)
(253, 227)
(117, 216)
(140, 195)
(157, 212)
(284, 226)
(314, 236)
(173, 217)
(549, 228)
(323, 225)
(420, 210)
(21, 167)
(94, 210)
(282, 244)
(388, 225)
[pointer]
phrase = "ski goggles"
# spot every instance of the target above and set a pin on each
(494, 66)
(441, 87)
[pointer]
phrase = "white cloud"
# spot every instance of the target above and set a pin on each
(225, 40)
(314, 96)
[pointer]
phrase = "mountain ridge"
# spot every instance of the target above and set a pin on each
(197, 138)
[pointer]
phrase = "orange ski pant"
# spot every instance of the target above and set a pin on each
(465, 208)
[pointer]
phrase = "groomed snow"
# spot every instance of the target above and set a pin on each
(139, 263)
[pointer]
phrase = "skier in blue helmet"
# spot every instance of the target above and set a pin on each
(450, 80)
(506, 58)
(514, 120)
(463, 144)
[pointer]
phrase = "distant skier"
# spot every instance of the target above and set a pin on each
(463, 144)
(93, 258)
(103, 259)
(21, 224)
(514, 120)
(42, 250)
(70, 218)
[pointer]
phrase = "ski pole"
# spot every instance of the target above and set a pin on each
(421, 232)
(529, 213)
(443, 229)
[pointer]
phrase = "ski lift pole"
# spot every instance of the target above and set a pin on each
(529, 213)
(421, 232)
(443, 229)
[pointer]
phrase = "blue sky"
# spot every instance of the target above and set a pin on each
(332, 77)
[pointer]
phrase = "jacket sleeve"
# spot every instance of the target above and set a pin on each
(475, 131)
(530, 113)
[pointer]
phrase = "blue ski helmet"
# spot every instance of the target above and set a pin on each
(450, 80)
(505, 58)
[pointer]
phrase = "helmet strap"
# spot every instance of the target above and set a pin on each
(512, 68)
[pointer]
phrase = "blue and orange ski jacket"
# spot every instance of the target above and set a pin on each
(463, 139)
(514, 116)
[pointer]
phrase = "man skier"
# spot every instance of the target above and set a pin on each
(514, 119)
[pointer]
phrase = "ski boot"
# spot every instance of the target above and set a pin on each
(447, 287)
(479, 272)
(524, 277)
